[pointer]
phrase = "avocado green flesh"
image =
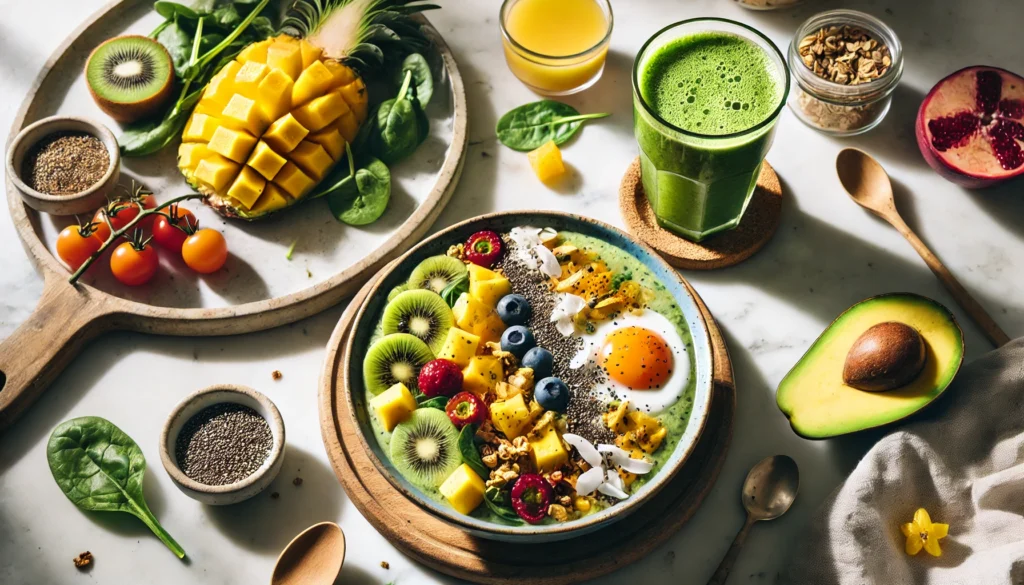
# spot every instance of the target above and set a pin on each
(818, 403)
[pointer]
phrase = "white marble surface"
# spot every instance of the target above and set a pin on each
(827, 255)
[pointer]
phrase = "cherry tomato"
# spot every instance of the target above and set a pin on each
(170, 235)
(205, 251)
(134, 263)
(76, 243)
(119, 212)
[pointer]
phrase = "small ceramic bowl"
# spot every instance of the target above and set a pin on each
(232, 493)
(86, 201)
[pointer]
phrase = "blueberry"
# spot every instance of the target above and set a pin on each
(517, 340)
(514, 309)
(552, 394)
(540, 360)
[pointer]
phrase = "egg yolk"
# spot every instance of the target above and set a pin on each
(637, 358)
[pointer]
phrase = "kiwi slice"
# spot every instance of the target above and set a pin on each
(397, 290)
(424, 448)
(130, 77)
(436, 272)
(395, 358)
(422, 313)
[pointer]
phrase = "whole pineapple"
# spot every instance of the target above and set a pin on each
(274, 121)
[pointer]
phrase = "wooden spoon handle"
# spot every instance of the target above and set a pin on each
(722, 573)
(63, 321)
(992, 331)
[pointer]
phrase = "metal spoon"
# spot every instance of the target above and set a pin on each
(869, 186)
(768, 492)
(314, 557)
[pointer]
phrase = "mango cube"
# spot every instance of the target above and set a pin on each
(200, 128)
(272, 199)
(340, 74)
(293, 181)
(312, 159)
(248, 78)
(315, 80)
(463, 489)
(310, 53)
(487, 286)
(275, 94)
(460, 346)
(331, 140)
(221, 86)
(355, 93)
(482, 374)
(474, 316)
(255, 52)
(547, 162)
(216, 171)
(190, 153)
(511, 416)
(317, 114)
(265, 160)
(547, 450)
(287, 57)
(234, 144)
(348, 126)
(248, 187)
(393, 406)
(243, 113)
(285, 134)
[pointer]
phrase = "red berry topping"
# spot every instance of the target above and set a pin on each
(440, 378)
(531, 496)
(483, 248)
(465, 408)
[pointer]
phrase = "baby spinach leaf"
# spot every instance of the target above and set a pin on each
(400, 125)
(531, 125)
(422, 80)
(469, 452)
(145, 138)
(100, 468)
(362, 198)
(438, 402)
(500, 503)
(169, 10)
(178, 44)
(454, 290)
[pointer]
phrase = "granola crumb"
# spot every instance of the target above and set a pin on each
(276, 374)
(83, 560)
(297, 481)
(385, 565)
(275, 495)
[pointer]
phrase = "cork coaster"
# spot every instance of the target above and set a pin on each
(718, 251)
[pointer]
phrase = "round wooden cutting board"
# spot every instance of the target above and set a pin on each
(450, 550)
(259, 288)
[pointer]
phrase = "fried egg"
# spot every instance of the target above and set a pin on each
(644, 359)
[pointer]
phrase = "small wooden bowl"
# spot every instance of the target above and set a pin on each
(232, 493)
(86, 201)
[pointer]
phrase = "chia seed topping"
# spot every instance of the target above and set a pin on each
(223, 443)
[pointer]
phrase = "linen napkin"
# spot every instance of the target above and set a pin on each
(963, 462)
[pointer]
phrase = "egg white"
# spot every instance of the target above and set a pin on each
(650, 401)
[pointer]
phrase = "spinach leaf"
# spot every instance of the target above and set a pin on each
(178, 44)
(422, 80)
(361, 198)
(620, 278)
(438, 402)
(500, 503)
(100, 468)
(454, 290)
(145, 138)
(469, 452)
(531, 125)
(169, 10)
(397, 129)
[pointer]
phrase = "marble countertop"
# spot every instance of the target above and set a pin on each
(827, 254)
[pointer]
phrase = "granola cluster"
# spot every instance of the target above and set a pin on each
(845, 54)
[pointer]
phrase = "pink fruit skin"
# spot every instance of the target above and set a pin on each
(965, 180)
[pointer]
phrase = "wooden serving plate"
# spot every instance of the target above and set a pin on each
(452, 551)
(258, 288)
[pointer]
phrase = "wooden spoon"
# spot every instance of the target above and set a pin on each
(868, 185)
(314, 557)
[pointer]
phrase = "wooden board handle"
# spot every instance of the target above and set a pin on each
(63, 321)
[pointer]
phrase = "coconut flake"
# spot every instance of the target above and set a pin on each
(622, 459)
(548, 262)
(589, 481)
(525, 237)
(564, 313)
(586, 449)
(612, 486)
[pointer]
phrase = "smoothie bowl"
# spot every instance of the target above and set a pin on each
(529, 376)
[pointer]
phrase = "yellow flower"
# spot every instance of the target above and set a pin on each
(922, 533)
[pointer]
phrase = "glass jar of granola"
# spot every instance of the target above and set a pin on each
(845, 66)
(767, 4)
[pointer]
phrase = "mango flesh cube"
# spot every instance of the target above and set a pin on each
(487, 286)
(248, 78)
(285, 134)
(222, 86)
(315, 80)
(275, 94)
(293, 181)
(200, 128)
(474, 316)
(287, 57)
(272, 199)
(310, 53)
(460, 347)
(340, 74)
(248, 187)
(243, 113)
(312, 159)
(265, 160)
(355, 94)
(216, 171)
(317, 114)
(190, 153)
(463, 489)
(482, 374)
(255, 52)
(234, 144)
(510, 416)
(393, 406)
(348, 126)
(547, 162)
(547, 451)
(331, 140)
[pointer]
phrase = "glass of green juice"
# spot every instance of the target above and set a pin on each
(707, 93)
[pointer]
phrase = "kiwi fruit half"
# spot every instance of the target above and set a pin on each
(436, 272)
(130, 77)
(424, 448)
(397, 291)
(395, 358)
(422, 313)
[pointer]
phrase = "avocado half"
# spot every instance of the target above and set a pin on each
(817, 402)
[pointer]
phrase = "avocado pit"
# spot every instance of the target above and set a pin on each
(886, 356)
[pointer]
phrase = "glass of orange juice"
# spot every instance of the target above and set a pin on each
(556, 47)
